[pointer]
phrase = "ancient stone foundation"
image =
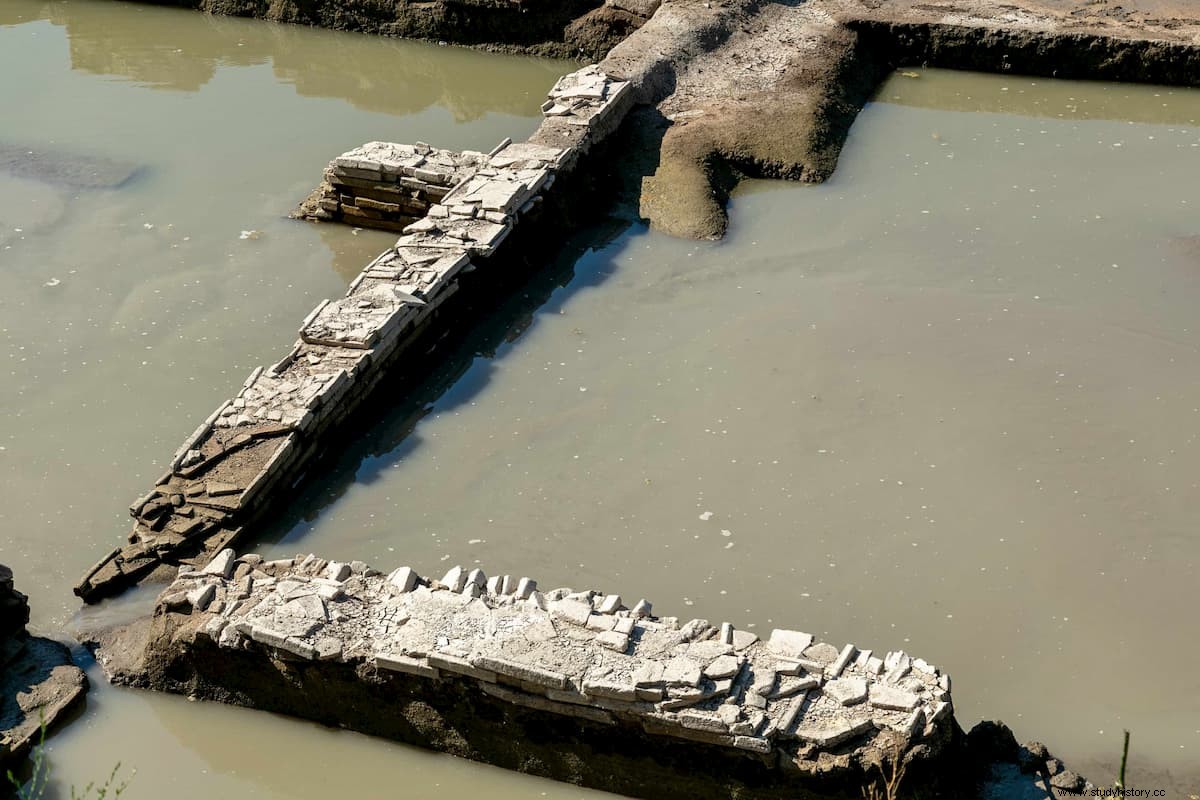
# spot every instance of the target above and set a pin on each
(468, 663)
(389, 186)
(243, 460)
(38, 682)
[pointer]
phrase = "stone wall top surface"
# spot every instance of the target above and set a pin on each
(578, 653)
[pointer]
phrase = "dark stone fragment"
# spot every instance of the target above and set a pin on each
(990, 742)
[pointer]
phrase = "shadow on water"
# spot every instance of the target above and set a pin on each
(387, 431)
(386, 427)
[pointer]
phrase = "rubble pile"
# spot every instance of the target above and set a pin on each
(385, 185)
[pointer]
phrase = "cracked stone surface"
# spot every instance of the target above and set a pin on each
(574, 653)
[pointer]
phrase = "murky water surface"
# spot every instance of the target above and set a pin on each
(945, 402)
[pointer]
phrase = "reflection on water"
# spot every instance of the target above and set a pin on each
(149, 45)
(1036, 97)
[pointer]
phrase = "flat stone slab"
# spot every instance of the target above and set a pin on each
(372, 312)
(419, 271)
(427, 164)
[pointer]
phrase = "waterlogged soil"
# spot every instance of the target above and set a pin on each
(944, 402)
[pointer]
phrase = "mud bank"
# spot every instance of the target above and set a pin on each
(39, 685)
(766, 90)
(578, 686)
(573, 29)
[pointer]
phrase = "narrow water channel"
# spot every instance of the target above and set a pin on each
(945, 402)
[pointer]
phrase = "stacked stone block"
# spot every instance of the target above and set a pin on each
(386, 186)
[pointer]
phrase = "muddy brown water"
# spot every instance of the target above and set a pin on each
(945, 402)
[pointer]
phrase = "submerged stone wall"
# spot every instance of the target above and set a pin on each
(242, 460)
(793, 716)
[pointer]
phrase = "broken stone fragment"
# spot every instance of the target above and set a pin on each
(707, 651)
(790, 687)
(572, 611)
(221, 565)
(891, 697)
(743, 639)
(218, 489)
(702, 721)
(728, 714)
(476, 578)
(847, 691)
(338, 571)
(600, 622)
(406, 664)
(201, 596)
(828, 733)
(682, 671)
(725, 666)
(617, 642)
(611, 689)
(695, 630)
(307, 607)
(455, 579)
(328, 648)
(822, 655)
(790, 644)
(648, 673)
(610, 604)
(764, 681)
(842, 661)
(404, 579)
(526, 672)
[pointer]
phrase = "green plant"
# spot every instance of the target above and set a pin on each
(1120, 785)
(103, 790)
(35, 787)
